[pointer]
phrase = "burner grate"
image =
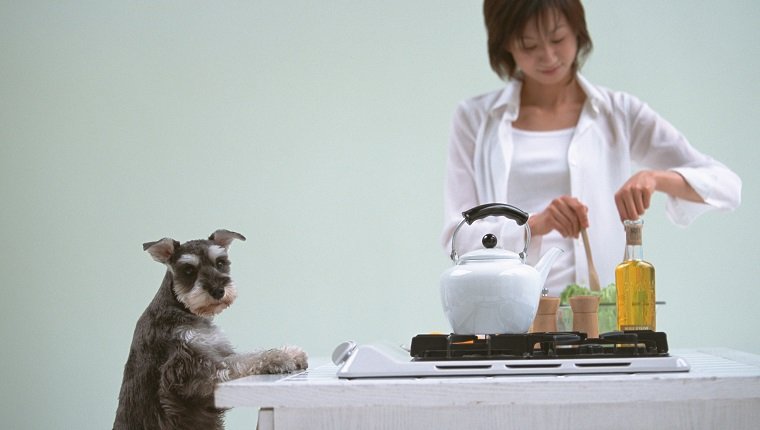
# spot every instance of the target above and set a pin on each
(638, 343)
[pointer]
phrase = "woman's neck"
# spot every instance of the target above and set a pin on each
(544, 96)
(549, 107)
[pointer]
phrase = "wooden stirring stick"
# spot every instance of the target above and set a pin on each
(593, 277)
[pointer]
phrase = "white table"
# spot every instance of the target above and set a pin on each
(722, 391)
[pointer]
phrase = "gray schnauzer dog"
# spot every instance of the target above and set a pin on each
(178, 355)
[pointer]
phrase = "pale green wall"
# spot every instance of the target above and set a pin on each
(319, 130)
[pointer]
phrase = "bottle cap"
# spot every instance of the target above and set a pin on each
(633, 231)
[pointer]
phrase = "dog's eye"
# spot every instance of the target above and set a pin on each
(222, 263)
(188, 270)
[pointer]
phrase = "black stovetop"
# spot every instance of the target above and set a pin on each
(639, 343)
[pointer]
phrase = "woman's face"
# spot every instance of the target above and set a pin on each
(546, 50)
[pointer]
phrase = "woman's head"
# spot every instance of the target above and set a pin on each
(514, 25)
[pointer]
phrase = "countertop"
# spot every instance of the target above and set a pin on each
(722, 390)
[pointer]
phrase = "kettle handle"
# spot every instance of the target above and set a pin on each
(493, 209)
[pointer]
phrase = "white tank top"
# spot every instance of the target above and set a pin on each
(539, 173)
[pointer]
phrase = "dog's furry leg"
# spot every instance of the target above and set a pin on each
(187, 378)
(284, 360)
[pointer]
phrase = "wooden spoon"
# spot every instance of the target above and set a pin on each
(593, 277)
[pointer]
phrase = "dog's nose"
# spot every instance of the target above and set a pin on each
(217, 293)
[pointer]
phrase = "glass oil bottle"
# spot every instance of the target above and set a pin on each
(634, 280)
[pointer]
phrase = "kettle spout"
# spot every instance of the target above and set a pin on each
(546, 262)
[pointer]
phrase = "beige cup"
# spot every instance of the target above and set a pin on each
(586, 314)
(546, 316)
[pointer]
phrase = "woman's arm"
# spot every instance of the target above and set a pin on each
(694, 182)
(633, 198)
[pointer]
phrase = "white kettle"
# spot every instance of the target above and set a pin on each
(493, 290)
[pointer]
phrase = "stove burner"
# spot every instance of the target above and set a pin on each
(638, 343)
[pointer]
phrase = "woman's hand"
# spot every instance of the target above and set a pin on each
(565, 214)
(633, 198)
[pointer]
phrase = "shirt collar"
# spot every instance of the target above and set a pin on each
(595, 97)
(507, 105)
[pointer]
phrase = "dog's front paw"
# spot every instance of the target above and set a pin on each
(300, 359)
(285, 360)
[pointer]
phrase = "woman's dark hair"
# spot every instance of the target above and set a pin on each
(506, 19)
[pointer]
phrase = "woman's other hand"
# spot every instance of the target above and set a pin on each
(565, 214)
(633, 198)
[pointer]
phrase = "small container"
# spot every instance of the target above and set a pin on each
(586, 315)
(546, 317)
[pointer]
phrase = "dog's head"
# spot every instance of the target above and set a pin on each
(200, 271)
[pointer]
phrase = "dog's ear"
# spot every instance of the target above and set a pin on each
(161, 250)
(223, 238)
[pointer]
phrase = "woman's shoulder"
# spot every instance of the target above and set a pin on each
(482, 102)
(614, 101)
(494, 102)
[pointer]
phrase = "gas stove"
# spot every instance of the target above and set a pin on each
(558, 353)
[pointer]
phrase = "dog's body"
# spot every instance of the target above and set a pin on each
(178, 355)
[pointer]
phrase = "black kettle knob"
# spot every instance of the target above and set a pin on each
(489, 240)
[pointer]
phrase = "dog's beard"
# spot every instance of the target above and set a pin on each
(199, 302)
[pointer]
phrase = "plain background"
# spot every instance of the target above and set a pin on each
(318, 130)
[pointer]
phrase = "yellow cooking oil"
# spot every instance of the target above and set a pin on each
(634, 280)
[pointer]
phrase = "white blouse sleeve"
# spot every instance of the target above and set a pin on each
(656, 144)
(461, 192)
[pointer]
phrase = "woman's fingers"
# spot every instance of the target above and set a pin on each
(633, 198)
(569, 215)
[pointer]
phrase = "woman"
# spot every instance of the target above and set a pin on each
(563, 149)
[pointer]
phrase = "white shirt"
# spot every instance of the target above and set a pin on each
(615, 133)
(538, 173)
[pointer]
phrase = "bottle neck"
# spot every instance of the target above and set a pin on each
(634, 252)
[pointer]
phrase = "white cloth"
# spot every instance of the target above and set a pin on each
(538, 173)
(615, 133)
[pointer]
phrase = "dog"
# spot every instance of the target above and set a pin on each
(178, 355)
